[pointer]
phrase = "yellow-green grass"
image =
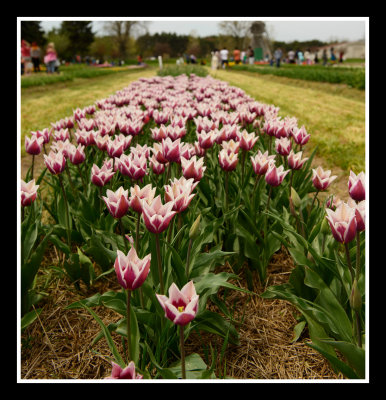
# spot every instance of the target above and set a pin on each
(334, 115)
(42, 105)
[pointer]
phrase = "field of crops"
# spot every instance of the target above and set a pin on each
(351, 76)
(157, 217)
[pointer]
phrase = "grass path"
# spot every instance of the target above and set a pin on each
(334, 115)
(45, 104)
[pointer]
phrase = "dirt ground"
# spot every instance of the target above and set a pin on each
(57, 345)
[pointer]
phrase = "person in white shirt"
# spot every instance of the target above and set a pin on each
(224, 57)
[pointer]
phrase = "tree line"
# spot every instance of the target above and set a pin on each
(123, 40)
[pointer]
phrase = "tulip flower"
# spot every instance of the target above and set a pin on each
(158, 153)
(127, 373)
(87, 138)
(181, 308)
(295, 160)
(76, 155)
(228, 160)
(179, 192)
(275, 175)
(62, 134)
(342, 222)
(182, 305)
(34, 145)
(132, 165)
(45, 134)
(322, 179)
(206, 139)
(115, 148)
(101, 176)
(131, 270)
(28, 192)
(261, 161)
(137, 195)
(171, 150)
(283, 146)
(117, 202)
(231, 146)
(55, 162)
(356, 186)
(193, 168)
(300, 136)
(156, 215)
(156, 166)
(247, 140)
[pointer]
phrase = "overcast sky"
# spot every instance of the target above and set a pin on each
(300, 29)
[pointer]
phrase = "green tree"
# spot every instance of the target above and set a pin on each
(80, 35)
(31, 31)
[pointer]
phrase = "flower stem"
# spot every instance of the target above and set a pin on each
(137, 250)
(33, 163)
(182, 352)
(349, 262)
(81, 177)
(128, 321)
(243, 166)
(159, 263)
(123, 234)
(226, 190)
(358, 329)
(313, 201)
(70, 180)
(357, 265)
(67, 213)
(188, 258)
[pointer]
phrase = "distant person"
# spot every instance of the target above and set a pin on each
(341, 53)
(50, 58)
(251, 55)
(277, 55)
(214, 60)
(26, 57)
(237, 55)
(332, 56)
(187, 58)
(316, 58)
(324, 57)
(139, 59)
(224, 57)
(193, 59)
(307, 57)
(291, 57)
(243, 56)
(35, 56)
(300, 57)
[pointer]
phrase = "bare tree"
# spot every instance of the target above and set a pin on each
(239, 30)
(121, 31)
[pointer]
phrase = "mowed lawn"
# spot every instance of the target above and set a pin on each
(42, 105)
(333, 114)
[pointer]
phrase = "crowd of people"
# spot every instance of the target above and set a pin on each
(31, 57)
(221, 58)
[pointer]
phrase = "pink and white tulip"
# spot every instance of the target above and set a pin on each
(28, 192)
(117, 202)
(55, 162)
(34, 145)
(261, 161)
(193, 168)
(228, 160)
(342, 222)
(295, 160)
(131, 270)
(356, 186)
(138, 194)
(275, 175)
(322, 179)
(156, 215)
(101, 176)
(182, 305)
(127, 373)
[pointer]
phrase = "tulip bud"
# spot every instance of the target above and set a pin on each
(325, 228)
(295, 198)
(195, 228)
(355, 297)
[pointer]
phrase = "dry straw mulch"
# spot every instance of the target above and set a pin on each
(57, 345)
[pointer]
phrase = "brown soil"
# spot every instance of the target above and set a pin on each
(58, 344)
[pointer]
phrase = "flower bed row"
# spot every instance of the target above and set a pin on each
(166, 179)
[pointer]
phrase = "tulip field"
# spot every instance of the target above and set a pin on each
(156, 202)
